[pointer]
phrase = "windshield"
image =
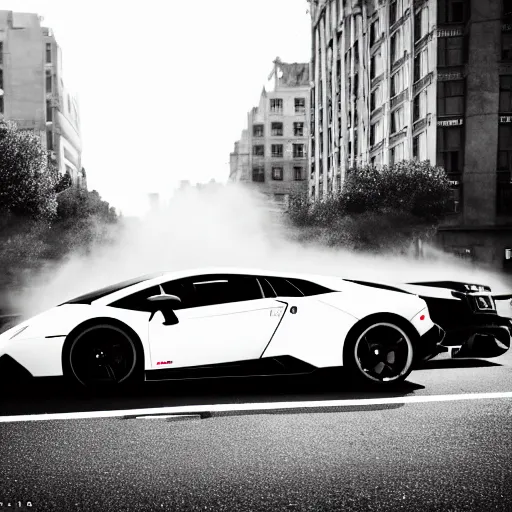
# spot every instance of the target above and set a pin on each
(87, 298)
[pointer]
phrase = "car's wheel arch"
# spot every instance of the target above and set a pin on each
(99, 321)
(375, 318)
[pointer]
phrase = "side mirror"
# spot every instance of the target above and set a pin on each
(165, 304)
(165, 298)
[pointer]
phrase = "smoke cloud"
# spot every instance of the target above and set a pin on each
(224, 226)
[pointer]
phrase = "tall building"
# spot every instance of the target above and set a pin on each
(425, 79)
(32, 91)
(272, 154)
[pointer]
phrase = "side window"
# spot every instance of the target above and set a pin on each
(137, 301)
(223, 289)
(184, 290)
(268, 291)
(283, 287)
(308, 288)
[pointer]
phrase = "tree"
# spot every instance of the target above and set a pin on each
(82, 220)
(378, 208)
(27, 180)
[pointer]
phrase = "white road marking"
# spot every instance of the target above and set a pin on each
(170, 417)
(268, 406)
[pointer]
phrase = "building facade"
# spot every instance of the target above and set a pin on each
(32, 90)
(420, 79)
(272, 154)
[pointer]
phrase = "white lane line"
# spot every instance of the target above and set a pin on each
(268, 406)
(169, 417)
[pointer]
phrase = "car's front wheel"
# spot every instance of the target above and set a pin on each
(379, 352)
(102, 356)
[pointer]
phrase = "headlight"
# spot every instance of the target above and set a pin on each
(19, 331)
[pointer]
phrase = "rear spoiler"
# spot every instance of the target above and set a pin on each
(455, 285)
(502, 297)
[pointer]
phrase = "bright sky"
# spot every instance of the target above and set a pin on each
(165, 86)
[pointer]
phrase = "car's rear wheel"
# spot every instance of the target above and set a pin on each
(102, 356)
(379, 353)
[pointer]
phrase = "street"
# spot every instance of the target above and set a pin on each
(434, 443)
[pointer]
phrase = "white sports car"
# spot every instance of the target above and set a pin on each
(224, 322)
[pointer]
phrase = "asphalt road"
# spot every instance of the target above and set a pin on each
(446, 456)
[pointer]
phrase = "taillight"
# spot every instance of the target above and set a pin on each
(484, 303)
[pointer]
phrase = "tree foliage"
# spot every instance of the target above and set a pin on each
(27, 180)
(378, 208)
(43, 216)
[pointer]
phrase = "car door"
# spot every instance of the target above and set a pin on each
(222, 318)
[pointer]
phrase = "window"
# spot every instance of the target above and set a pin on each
(506, 93)
(276, 106)
(298, 173)
(505, 147)
(397, 120)
(87, 298)
(376, 65)
(451, 11)
(450, 51)
(48, 83)
(397, 82)
(1, 53)
(1, 104)
(417, 26)
(257, 130)
(49, 112)
(49, 140)
(138, 301)
(300, 105)
(419, 146)
(277, 173)
(283, 287)
(277, 129)
(277, 150)
(48, 53)
(396, 46)
(258, 150)
(506, 45)
(420, 65)
(374, 32)
(396, 154)
(376, 133)
(298, 151)
(258, 174)
(211, 290)
(450, 98)
(298, 129)
(507, 9)
(376, 98)
(450, 149)
(420, 106)
(1, 78)
(393, 12)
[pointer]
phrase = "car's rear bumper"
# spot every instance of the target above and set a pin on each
(480, 341)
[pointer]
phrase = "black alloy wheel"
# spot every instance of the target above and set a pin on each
(383, 353)
(102, 356)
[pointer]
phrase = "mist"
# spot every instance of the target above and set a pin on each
(224, 226)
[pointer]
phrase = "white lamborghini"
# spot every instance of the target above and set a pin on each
(224, 322)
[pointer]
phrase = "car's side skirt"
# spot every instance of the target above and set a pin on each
(282, 365)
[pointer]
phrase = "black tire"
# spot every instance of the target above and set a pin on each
(379, 351)
(103, 355)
